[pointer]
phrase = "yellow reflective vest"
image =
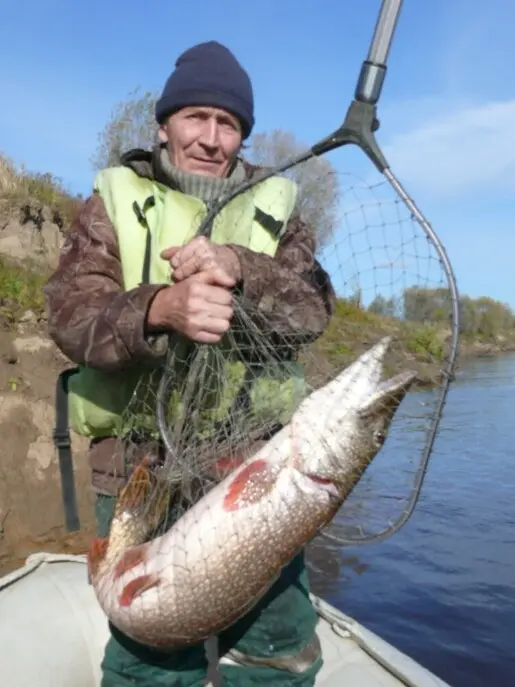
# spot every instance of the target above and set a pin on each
(110, 404)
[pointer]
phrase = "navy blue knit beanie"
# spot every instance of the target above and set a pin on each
(209, 74)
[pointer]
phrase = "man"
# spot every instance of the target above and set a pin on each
(112, 301)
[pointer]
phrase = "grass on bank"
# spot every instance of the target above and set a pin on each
(351, 330)
(354, 329)
(18, 186)
(21, 289)
(21, 283)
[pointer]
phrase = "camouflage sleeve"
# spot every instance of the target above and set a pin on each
(290, 292)
(92, 319)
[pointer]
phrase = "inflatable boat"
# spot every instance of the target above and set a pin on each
(53, 634)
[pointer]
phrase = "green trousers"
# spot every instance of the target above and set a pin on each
(282, 623)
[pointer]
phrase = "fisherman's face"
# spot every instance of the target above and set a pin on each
(202, 140)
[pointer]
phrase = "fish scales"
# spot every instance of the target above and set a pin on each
(222, 555)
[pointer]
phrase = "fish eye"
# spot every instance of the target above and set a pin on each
(379, 437)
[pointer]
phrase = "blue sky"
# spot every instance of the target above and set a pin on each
(447, 110)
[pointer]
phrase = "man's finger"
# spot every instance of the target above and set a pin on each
(192, 266)
(168, 253)
(207, 337)
(220, 311)
(215, 276)
(189, 251)
(214, 325)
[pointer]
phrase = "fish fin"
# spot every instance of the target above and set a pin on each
(250, 485)
(136, 587)
(130, 559)
(96, 553)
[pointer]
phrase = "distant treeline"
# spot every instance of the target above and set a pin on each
(483, 316)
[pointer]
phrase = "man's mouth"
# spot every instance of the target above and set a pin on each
(207, 162)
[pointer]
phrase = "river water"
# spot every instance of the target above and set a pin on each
(442, 589)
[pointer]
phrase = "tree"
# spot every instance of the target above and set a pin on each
(132, 125)
(483, 317)
(426, 305)
(317, 179)
(383, 306)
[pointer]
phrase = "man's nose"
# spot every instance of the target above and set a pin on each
(209, 136)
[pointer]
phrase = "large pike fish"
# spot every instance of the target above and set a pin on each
(224, 553)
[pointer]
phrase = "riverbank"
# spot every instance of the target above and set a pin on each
(30, 363)
(422, 346)
(36, 209)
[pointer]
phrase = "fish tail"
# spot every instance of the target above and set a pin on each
(158, 505)
(134, 494)
(144, 496)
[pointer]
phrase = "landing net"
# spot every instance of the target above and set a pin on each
(378, 272)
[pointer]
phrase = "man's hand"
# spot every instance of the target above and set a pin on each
(200, 255)
(199, 307)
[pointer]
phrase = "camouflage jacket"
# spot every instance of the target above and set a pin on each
(95, 322)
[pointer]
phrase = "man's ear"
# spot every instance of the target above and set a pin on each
(162, 133)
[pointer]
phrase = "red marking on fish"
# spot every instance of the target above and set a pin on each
(130, 559)
(136, 587)
(96, 554)
(250, 485)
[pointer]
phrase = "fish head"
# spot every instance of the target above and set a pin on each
(372, 418)
(344, 424)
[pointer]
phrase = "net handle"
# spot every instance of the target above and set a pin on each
(373, 69)
(360, 122)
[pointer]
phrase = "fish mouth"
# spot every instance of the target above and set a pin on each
(323, 483)
(388, 395)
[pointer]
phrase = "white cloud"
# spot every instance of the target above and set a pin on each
(464, 149)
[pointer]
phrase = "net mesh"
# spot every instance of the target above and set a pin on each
(303, 382)
(379, 275)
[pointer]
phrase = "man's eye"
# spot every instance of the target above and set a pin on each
(230, 126)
